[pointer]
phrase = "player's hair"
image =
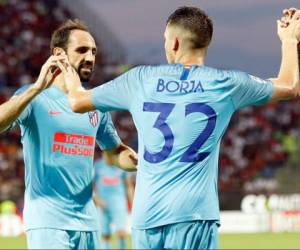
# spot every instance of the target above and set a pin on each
(60, 37)
(197, 22)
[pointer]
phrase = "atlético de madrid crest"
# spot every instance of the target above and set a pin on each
(93, 117)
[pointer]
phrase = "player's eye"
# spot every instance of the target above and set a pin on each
(82, 50)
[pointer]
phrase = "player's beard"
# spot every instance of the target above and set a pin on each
(85, 75)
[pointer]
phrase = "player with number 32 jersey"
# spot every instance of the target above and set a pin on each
(181, 111)
(180, 115)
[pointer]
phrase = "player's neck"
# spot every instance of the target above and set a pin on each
(192, 61)
(194, 57)
(60, 83)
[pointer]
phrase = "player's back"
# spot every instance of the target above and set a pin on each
(185, 113)
(180, 115)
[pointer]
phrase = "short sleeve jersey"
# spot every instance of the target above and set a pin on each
(181, 115)
(58, 149)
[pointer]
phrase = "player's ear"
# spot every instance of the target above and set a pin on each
(57, 51)
(176, 44)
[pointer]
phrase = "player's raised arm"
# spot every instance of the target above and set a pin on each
(117, 94)
(122, 156)
(12, 109)
(286, 85)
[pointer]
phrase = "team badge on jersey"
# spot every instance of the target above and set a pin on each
(94, 118)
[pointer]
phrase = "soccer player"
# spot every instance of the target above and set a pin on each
(58, 147)
(112, 187)
(181, 111)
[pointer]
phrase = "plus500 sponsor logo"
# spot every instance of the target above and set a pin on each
(73, 144)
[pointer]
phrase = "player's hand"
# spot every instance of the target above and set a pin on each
(128, 160)
(70, 75)
(287, 14)
(134, 157)
(288, 27)
(49, 72)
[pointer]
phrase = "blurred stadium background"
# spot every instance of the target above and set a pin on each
(259, 173)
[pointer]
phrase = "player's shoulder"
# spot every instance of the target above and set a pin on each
(232, 77)
(234, 73)
(218, 72)
(22, 89)
(238, 77)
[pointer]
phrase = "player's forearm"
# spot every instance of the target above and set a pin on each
(80, 99)
(289, 68)
(12, 109)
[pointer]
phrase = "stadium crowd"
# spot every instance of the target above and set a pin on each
(253, 146)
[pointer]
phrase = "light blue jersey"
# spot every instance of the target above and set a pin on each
(181, 115)
(58, 147)
(110, 184)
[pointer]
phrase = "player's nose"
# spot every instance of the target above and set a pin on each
(89, 57)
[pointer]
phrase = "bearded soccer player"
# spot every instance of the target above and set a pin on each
(181, 111)
(58, 147)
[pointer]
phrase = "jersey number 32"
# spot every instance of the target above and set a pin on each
(191, 154)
